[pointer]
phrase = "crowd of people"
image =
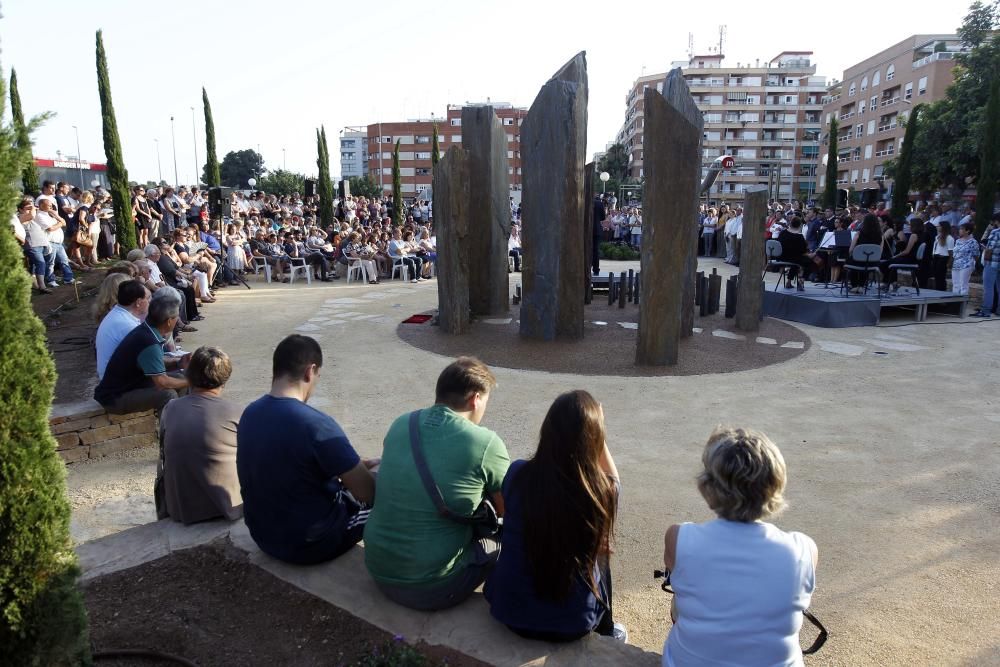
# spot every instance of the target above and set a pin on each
(444, 510)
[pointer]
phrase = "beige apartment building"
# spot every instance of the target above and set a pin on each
(875, 96)
(767, 116)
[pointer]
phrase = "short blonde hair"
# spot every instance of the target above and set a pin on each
(744, 476)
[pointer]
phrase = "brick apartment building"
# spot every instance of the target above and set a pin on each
(766, 116)
(875, 95)
(416, 142)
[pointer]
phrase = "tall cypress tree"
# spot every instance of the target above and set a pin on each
(904, 167)
(29, 175)
(42, 619)
(397, 189)
(117, 175)
(213, 177)
(830, 190)
(435, 149)
(325, 185)
(989, 154)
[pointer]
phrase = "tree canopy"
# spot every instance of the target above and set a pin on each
(240, 166)
(280, 182)
(364, 186)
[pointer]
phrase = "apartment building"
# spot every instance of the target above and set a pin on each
(767, 116)
(878, 93)
(353, 152)
(416, 141)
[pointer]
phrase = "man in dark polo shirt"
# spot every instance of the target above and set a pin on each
(136, 377)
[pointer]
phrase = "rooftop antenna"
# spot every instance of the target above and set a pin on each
(722, 38)
(690, 46)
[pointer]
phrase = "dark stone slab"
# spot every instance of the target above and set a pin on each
(588, 226)
(451, 221)
(749, 298)
(553, 149)
(672, 143)
(485, 141)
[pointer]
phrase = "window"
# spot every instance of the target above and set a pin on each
(455, 122)
(890, 73)
(347, 143)
(457, 139)
(790, 99)
(864, 175)
(922, 86)
(387, 171)
(510, 170)
(859, 130)
(347, 156)
(386, 155)
(423, 139)
(908, 91)
(868, 152)
(423, 156)
(864, 84)
(861, 107)
(828, 116)
(850, 92)
(510, 137)
(386, 140)
(854, 176)
(874, 104)
(423, 171)
(510, 155)
(876, 78)
(871, 127)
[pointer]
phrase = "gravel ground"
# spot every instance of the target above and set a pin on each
(889, 435)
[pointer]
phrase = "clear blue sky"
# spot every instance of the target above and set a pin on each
(275, 71)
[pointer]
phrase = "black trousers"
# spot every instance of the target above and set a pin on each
(939, 270)
(516, 254)
(595, 256)
(190, 306)
(317, 259)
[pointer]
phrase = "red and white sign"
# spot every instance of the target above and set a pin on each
(728, 162)
(69, 164)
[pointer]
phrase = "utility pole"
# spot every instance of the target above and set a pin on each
(159, 169)
(194, 136)
(79, 159)
(174, 139)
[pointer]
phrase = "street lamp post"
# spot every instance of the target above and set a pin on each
(252, 182)
(159, 169)
(194, 136)
(173, 137)
(284, 163)
(604, 181)
(79, 160)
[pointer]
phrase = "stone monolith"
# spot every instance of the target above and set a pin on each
(451, 222)
(484, 139)
(749, 296)
(672, 166)
(553, 150)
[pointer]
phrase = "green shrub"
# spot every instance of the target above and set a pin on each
(42, 619)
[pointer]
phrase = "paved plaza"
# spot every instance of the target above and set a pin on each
(890, 435)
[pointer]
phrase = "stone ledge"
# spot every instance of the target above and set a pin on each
(344, 582)
(84, 430)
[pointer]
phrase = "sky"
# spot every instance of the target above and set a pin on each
(275, 71)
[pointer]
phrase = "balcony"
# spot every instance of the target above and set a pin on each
(941, 55)
(889, 101)
(886, 128)
(841, 160)
(884, 153)
(846, 116)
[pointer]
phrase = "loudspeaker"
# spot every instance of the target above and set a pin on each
(310, 187)
(344, 189)
(842, 198)
(218, 202)
(868, 197)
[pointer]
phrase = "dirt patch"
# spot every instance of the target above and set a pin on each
(609, 348)
(212, 607)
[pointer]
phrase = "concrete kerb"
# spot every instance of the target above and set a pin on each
(343, 582)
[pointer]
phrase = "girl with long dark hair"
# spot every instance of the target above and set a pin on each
(552, 580)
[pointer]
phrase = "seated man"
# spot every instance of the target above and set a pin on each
(131, 310)
(136, 378)
(419, 558)
(305, 491)
(198, 443)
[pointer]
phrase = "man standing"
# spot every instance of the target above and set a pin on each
(991, 265)
(597, 233)
(136, 378)
(131, 310)
(57, 257)
(418, 557)
(732, 225)
(306, 492)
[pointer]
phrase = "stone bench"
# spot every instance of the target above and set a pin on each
(345, 583)
(84, 430)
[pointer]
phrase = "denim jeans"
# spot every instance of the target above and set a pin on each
(989, 285)
(36, 257)
(58, 258)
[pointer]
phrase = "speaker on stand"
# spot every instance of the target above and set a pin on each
(310, 187)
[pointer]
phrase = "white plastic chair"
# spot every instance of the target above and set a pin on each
(258, 263)
(355, 270)
(298, 264)
(400, 267)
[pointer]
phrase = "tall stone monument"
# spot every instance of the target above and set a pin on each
(749, 295)
(672, 166)
(485, 141)
(588, 227)
(452, 203)
(553, 149)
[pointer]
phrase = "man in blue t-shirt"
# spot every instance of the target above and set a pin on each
(306, 493)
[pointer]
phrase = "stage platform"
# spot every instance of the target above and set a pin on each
(827, 307)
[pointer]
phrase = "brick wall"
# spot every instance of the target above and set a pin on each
(88, 432)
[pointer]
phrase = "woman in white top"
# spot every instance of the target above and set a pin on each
(740, 584)
(944, 244)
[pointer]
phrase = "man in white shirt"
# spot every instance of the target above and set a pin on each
(57, 256)
(133, 304)
(734, 223)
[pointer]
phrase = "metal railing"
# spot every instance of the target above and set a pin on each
(886, 128)
(883, 153)
(940, 55)
(889, 101)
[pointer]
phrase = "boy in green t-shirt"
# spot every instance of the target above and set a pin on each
(419, 558)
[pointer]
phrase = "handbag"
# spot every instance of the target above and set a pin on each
(83, 238)
(484, 520)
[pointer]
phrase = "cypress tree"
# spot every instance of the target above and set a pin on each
(29, 175)
(213, 177)
(117, 175)
(397, 189)
(904, 167)
(830, 191)
(989, 154)
(435, 149)
(42, 618)
(325, 185)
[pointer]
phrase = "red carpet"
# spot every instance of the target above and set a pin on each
(417, 319)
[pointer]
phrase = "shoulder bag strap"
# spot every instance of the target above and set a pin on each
(821, 639)
(425, 474)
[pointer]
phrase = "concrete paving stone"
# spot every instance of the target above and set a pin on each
(376, 296)
(845, 349)
(794, 345)
(330, 323)
(898, 347)
(344, 300)
(307, 327)
(764, 340)
(497, 320)
(350, 314)
(317, 320)
(720, 333)
(599, 323)
(629, 325)
(895, 337)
